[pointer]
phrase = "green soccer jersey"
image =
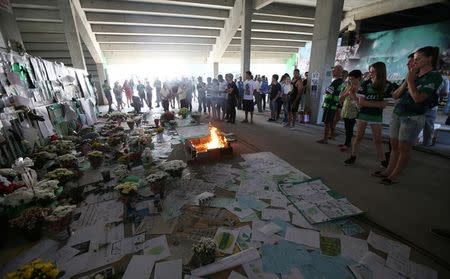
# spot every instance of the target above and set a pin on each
(426, 84)
(370, 94)
(332, 93)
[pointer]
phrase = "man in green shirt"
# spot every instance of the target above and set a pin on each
(330, 102)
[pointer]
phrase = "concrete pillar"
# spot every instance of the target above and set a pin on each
(9, 31)
(246, 35)
(67, 13)
(216, 69)
(101, 74)
(323, 51)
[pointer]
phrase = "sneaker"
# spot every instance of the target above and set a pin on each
(244, 121)
(384, 164)
(350, 161)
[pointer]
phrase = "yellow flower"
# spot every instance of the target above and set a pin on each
(53, 273)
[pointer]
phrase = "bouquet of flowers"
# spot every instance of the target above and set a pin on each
(100, 147)
(127, 188)
(37, 269)
(204, 251)
(116, 139)
(95, 158)
(59, 220)
(21, 196)
(59, 147)
(156, 181)
(68, 161)
(61, 174)
(44, 191)
(183, 112)
(30, 221)
(120, 172)
(174, 167)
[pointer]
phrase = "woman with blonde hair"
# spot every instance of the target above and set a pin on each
(371, 104)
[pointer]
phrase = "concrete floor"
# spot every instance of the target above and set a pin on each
(407, 210)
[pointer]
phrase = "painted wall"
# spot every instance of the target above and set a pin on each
(393, 47)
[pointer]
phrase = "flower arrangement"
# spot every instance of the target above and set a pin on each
(68, 161)
(30, 219)
(60, 211)
(116, 139)
(127, 188)
(44, 191)
(61, 174)
(124, 159)
(95, 158)
(183, 112)
(59, 147)
(19, 197)
(174, 167)
(117, 116)
(57, 224)
(37, 269)
(167, 116)
(120, 172)
(204, 251)
(157, 176)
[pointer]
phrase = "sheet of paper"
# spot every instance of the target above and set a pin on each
(226, 239)
(156, 225)
(300, 221)
(246, 202)
(419, 271)
(388, 246)
(399, 264)
(170, 269)
(353, 248)
(244, 238)
(235, 275)
(270, 229)
(64, 254)
(270, 213)
(254, 270)
(306, 237)
(239, 211)
(157, 247)
(281, 202)
(295, 274)
(139, 267)
(360, 271)
(378, 267)
(228, 262)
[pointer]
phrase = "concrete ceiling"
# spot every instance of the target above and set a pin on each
(121, 31)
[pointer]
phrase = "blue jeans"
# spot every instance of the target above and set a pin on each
(428, 129)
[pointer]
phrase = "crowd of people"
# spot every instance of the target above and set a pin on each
(355, 97)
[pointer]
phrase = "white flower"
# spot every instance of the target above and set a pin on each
(20, 196)
(67, 157)
(60, 211)
(8, 172)
(50, 185)
(156, 176)
(120, 172)
(174, 165)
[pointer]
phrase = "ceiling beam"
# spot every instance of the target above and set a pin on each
(256, 55)
(274, 43)
(43, 38)
(37, 15)
(231, 25)
(68, 61)
(152, 8)
(46, 46)
(36, 4)
(151, 30)
(286, 10)
(282, 28)
(154, 39)
(200, 3)
(42, 27)
(154, 47)
(235, 48)
(284, 20)
(276, 36)
(259, 4)
(381, 8)
(86, 34)
(153, 54)
(174, 59)
(151, 20)
(55, 54)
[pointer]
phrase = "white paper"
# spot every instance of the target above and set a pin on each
(270, 229)
(361, 271)
(139, 267)
(157, 247)
(64, 254)
(270, 214)
(281, 202)
(171, 269)
(228, 262)
(399, 264)
(419, 271)
(306, 237)
(235, 275)
(254, 270)
(46, 126)
(233, 235)
(300, 221)
(295, 274)
(238, 211)
(377, 265)
(353, 248)
(388, 246)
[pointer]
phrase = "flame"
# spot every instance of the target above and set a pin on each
(213, 141)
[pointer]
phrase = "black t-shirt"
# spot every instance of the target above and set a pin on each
(234, 92)
(274, 90)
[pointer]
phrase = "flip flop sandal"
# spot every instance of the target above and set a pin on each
(379, 174)
(387, 181)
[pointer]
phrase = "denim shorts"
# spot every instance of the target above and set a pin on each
(406, 128)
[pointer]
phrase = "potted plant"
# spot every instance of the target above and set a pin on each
(36, 269)
(68, 161)
(204, 252)
(29, 222)
(61, 174)
(95, 158)
(58, 222)
(127, 191)
(156, 181)
(174, 167)
(120, 172)
(183, 112)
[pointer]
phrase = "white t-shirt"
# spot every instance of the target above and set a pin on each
(257, 86)
(249, 88)
(286, 88)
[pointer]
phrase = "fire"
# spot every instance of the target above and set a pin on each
(213, 141)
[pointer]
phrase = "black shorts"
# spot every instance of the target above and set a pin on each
(248, 105)
(328, 115)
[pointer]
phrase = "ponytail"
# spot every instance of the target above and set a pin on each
(433, 52)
